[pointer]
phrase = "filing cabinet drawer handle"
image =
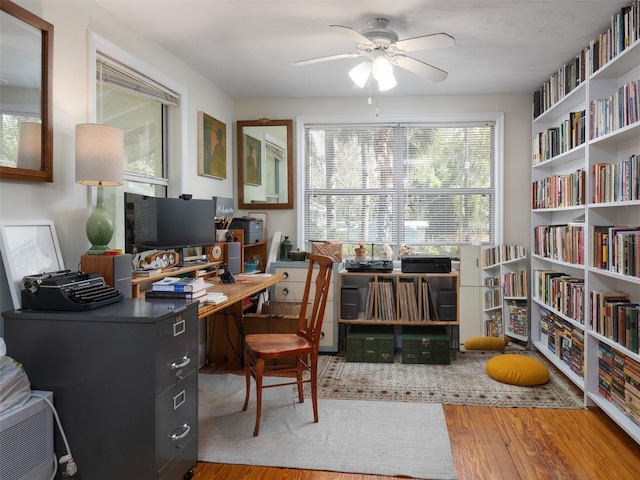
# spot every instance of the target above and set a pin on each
(285, 275)
(285, 291)
(185, 361)
(186, 429)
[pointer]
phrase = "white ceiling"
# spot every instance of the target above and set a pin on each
(246, 47)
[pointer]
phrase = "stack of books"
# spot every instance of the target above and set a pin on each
(179, 287)
(215, 298)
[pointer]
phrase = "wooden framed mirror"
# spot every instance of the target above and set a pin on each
(265, 164)
(26, 66)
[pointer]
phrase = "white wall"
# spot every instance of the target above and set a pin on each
(517, 145)
(64, 201)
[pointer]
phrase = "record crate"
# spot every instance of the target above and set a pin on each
(426, 345)
(370, 343)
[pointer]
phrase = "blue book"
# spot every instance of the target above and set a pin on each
(179, 284)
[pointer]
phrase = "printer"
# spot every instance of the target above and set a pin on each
(253, 228)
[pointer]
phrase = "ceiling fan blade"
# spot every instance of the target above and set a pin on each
(425, 42)
(419, 68)
(353, 34)
(326, 59)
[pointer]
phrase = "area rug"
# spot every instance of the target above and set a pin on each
(375, 438)
(463, 382)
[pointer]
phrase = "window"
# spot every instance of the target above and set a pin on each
(139, 106)
(429, 186)
(143, 108)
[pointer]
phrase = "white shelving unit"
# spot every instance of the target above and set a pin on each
(564, 322)
(505, 292)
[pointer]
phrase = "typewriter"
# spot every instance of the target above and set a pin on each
(381, 266)
(67, 290)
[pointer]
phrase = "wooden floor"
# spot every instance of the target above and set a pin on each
(501, 443)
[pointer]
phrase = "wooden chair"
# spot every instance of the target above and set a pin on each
(301, 347)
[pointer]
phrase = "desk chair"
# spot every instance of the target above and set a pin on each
(301, 347)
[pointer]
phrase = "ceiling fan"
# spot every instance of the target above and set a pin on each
(382, 49)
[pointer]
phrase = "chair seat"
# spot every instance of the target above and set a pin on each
(280, 345)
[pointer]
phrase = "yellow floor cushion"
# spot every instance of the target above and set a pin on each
(517, 370)
(486, 343)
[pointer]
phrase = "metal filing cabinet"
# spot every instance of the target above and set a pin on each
(124, 380)
(291, 290)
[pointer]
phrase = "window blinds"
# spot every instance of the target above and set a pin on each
(118, 76)
(417, 184)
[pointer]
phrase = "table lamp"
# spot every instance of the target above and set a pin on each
(30, 146)
(99, 162)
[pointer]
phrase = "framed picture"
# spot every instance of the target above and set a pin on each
(253, 160)
(28, 248)
(212, 147)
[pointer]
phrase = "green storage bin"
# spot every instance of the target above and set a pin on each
(371, 344)
(419, 339)
(365, 338)
(426, 357)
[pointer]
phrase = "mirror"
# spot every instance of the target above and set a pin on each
(26, 59)
(265, 163)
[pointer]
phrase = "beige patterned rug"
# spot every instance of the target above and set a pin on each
(463, 382)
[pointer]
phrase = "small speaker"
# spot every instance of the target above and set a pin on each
(115, 269)
(447, 305)
(349, 302)
(233, 257)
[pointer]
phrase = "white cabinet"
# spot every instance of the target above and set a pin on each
(585, 182)
(471, 316)
(291, 290)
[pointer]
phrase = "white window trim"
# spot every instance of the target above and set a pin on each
(497, 117)
(177, 170)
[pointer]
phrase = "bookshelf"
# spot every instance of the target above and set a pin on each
(398, 298)
(585, 172)
(505, 293)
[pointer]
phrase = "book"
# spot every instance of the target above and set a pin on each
(215, 298)
(182, 295)
(179, 284)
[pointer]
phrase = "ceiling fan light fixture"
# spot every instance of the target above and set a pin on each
(382, 68)
(360, 73)
(387, 82)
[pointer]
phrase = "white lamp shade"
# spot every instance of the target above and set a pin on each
(99, 155)
(381, 68)
(30, 146)
(387, 82)
(360, 73)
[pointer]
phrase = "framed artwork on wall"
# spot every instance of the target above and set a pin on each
(212, 151)
(252, 161)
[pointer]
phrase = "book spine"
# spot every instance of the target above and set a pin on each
(173, 288)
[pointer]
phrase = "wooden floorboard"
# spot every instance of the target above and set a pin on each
(501, 444)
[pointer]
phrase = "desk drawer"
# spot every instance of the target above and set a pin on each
(292, 287)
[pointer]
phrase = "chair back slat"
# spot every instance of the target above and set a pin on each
(312, 325)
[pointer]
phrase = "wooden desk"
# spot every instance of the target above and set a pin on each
(236, 292)
(225, 323)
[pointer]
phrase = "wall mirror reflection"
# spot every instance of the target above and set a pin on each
(265, 163)
(26, 56)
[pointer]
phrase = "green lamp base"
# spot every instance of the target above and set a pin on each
(99, 227)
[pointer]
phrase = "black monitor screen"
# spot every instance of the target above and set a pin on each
(165, 223)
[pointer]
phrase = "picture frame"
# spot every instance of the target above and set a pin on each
(28, 248)
(252, 163)
(212, 147)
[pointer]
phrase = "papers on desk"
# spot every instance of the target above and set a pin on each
(215, 298)
(254, 274)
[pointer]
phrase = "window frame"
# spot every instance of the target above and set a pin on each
(428, 119)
